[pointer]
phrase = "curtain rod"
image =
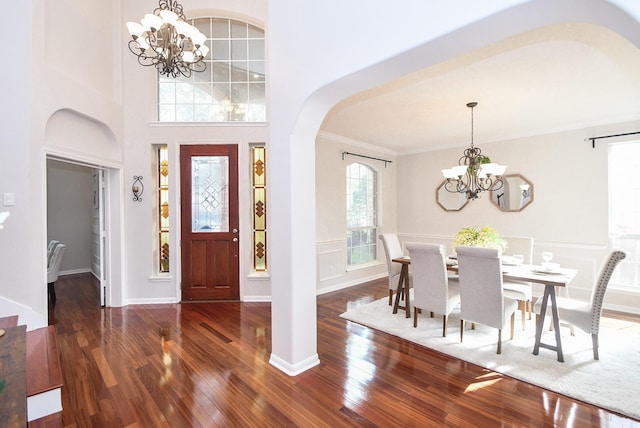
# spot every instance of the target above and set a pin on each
(368, 157)
(593, 139)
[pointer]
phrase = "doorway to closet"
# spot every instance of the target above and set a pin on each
(76, 217)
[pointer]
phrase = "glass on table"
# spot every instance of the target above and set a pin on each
(518, 259)
(547, 256)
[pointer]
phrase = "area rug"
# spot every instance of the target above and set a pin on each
(612, 383)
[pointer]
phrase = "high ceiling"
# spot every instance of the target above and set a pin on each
(563, 77)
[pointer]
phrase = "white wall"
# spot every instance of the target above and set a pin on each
(52, 94)
(19, 275)
(70, 212)
(569, 213)
(570, 190)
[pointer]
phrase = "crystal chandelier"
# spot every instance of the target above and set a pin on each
(475, 173)
(165, 40)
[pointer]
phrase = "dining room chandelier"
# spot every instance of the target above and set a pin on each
(475, 173)
(165, 40)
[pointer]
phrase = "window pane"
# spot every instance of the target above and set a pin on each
(255, 32)
(258, 179)
(203, 112)
(256, 111)
(184, 93)
(238, 30)
(624, 188)
(184, 113)
(202, 93)
(220, 28)
(166, 93)
(361, 214)
(256, 71)
(220, 50)
(203, 25)
(221, 71)
(239, 71)
(624, 212)
(239, 49)
(256, 49)
(167, 113)
(209, 194)
(361, 246)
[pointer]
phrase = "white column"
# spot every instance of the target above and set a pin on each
(292, 232)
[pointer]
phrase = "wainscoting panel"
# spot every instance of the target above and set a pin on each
(331, 264)
(333, 273)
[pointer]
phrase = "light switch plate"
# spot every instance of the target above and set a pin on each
(8, 199)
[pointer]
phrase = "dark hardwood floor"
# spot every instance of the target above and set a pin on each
(206, 365)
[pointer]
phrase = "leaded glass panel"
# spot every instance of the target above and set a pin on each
(209, 194)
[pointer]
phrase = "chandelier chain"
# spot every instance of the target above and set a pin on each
(171, 5)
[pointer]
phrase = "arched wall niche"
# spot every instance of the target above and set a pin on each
(72, 131)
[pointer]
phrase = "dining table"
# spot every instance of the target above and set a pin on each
(550, 278)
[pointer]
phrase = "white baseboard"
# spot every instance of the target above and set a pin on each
(294, 369)
(74, 271)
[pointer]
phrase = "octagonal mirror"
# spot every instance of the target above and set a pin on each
(515, 195)
(450, 201)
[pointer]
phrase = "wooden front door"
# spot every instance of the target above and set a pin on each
(209, 189)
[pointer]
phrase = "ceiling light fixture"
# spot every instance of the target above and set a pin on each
(165, 40)
(475, 173)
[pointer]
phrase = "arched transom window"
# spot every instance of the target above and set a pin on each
(231, 89)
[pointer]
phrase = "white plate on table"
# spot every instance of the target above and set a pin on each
(508, 261)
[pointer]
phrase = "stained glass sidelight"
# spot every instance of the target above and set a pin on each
(163, 208)
(258, 182)
(209, 194)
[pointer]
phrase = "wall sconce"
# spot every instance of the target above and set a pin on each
(525, 190)
(137, 188)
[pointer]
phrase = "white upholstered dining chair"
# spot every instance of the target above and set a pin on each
(481, 296)
(392, 250)
(432, 290)
(520, 291)
(52, 245)
(53, 270)
(585, 314)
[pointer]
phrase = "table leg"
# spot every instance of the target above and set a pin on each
(549, 292)
(556, 324)
(540, 324)
(403, 287)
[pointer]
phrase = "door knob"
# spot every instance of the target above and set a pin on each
(235, 230)
(235, 239)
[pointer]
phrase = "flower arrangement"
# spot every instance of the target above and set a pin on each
(485, 236)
